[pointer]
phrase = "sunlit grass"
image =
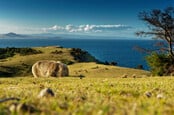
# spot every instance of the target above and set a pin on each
(97, 96)
(98, 70)
(101, 90)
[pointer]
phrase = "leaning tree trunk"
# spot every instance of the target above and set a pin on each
(168, 38)
(171, 51)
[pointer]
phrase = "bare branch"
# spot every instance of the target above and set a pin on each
(161, 26)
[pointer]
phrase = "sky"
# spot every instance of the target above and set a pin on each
(84, 17)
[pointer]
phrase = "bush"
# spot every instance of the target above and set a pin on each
(67, 62)
(113, 63)
(139, 67)
(82, 56)
(160, 64)
(56, 52)
(10, 52)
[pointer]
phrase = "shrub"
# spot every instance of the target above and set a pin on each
(56, 52)
(139, 67)
(113, 63)
(9, 52)
(67, 62)
(82, 56)
(160, 64)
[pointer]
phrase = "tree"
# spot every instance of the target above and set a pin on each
(161, 26)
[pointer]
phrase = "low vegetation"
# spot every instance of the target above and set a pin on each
(10, 52)
(160, 64)
(82, 56)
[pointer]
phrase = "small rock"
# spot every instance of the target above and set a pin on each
(148, 94)
(160, 96)
(124, 76)
(134, 76)
(47, 92)
(13, 107)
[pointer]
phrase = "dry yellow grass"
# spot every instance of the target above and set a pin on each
(46, 55)
(98, 70)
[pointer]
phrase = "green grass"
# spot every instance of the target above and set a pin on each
(91, 96)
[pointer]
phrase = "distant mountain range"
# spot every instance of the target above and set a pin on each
(13, 35)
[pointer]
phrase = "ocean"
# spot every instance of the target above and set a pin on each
(120, 51)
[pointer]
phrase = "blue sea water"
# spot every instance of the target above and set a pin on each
(120, 51)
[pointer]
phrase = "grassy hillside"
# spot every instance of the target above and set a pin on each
(20, 65)
(104, 90)
(89, 96)
(99, 70)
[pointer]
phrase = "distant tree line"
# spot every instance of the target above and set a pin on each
(82, 56)
(11, 51)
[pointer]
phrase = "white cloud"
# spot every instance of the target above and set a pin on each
(87, 28)
(69, 27)
(56, 27)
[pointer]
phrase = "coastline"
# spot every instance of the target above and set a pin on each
(120, 51)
